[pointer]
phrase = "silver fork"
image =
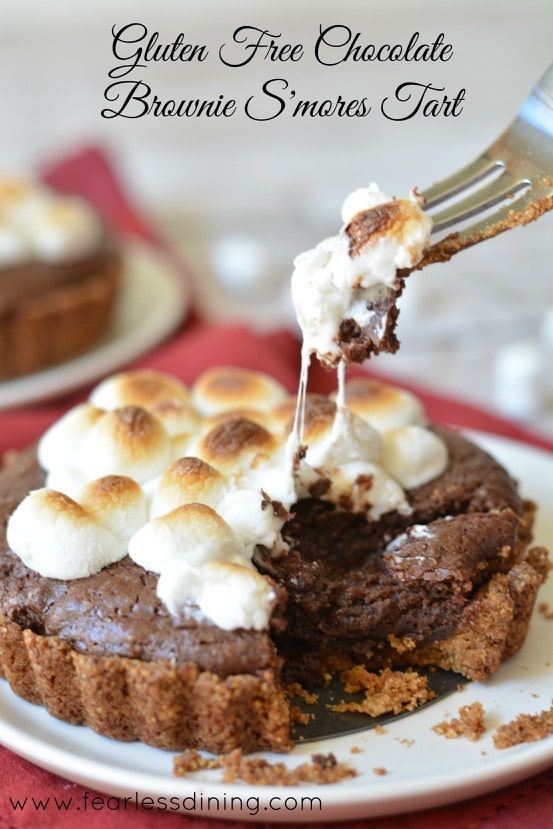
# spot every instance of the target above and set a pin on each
(509, 184)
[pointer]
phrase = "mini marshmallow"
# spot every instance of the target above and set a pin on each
(231, 595)
(146, 388)
(117, 503)
(60, 445)
(178, 417)
(364, 198)
(13, 249)
(66, 228)
(365, 487)
(59, 539)
(128, 441)
(318, 416)
(193, 533)
(384, 407)
(347, 274)
(413, 455)
(281, 415)
(186, 481)
(180, 446)
(235, 446)
(404, 236)
(50, 227)
(67, 479)
(255, 415)
(15, 190)
(333, 441)
(222, 388)
(251, 517)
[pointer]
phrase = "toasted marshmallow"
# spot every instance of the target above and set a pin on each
(413, 455)
(366, 487)
(60, 445)
(67, 479)
(346, 275)
(67, 228)
(405, 230)
(281, 415)
(186, 481)
(192, 533)
(13, 249)
(117, 503)
(178, 418)
(255, 415)
(251, 517)
(231, 595)
(50, 227)
(235, 446)
(128, 441)
(223, 388)
(59, 539)
(14, 190)
(383, 406)
(335, 439)
(146, 388)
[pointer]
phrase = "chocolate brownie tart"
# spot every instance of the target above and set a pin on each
(167, 562)
(171, 556)
(59, 275)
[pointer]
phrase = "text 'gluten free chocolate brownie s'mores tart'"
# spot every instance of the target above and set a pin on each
(171, 555)
(59, 274)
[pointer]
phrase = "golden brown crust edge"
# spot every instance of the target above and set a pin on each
(492, 628)
(162, 704)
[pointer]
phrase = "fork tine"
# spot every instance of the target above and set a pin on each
(509, 184)
(505, 188)
(471, 174)
(500, 217)
(527, 208)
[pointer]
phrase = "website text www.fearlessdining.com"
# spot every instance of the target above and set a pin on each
(197, 802)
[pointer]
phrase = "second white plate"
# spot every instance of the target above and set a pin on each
(152, 302)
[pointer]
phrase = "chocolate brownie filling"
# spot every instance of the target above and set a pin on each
(354, 587)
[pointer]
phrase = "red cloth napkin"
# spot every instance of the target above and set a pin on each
(185, 354)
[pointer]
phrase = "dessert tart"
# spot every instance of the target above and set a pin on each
(171, 557)
(59, 275)
(163, 570)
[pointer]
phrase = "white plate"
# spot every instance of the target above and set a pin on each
(152, 302)
(424, 769)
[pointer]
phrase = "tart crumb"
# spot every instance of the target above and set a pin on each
(380, 771)
(545, 609)
(294, 689)
(388, 691)
(323, 769)
(191, 760)
(526, 728)
(299, 717)
(469, 723)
